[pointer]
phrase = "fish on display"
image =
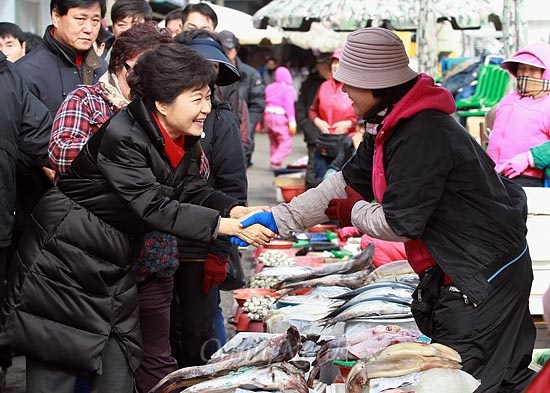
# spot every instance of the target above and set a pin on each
(278, 349)
(392, 285)
(391, 271)
(360, 262)
(383, 298)
(371, 308)
(401, 359)
(382, 293)
(358, 344)
(351, 280)
(275, 377)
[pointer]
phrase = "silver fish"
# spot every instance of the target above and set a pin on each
(381, 284)
(280, 348)
(383, 306)
(360, 262)
(282, 377)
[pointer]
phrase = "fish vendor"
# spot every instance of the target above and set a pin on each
(420, 178)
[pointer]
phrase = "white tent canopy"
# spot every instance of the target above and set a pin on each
(240, 23)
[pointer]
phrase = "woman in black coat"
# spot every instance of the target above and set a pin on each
(73, 302)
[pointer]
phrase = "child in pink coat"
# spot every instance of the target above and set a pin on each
(279, 115)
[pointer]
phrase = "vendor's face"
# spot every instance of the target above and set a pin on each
(186, 115)
(78, 28)
(363, 99)
(529, 70)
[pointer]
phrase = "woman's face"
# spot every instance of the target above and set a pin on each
(529, 70)
(334, 65)
(123, 73)
(186, 115)
(363, 99)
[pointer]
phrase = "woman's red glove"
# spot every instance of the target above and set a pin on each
(214, 271)
(340, 209)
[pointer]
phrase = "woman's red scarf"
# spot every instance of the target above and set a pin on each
(172, 147)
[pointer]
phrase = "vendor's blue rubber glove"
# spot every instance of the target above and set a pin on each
(238, 242)
(263, 218)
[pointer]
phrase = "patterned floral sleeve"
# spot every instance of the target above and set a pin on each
(78, 118)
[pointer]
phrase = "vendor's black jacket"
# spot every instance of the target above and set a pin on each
(26, 125)
(307, 94)
(74, 283)
(222, 145)
(252, 91)
(442, 189)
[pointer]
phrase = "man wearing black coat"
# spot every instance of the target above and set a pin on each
(26, 125)
(304, 124)
(64, 60)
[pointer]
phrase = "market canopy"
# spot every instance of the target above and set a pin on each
(349, 15)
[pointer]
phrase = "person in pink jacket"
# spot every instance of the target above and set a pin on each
(280, 115)
(522, 118)
(332, 113)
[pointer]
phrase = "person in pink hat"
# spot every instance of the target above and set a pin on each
(522, 118)
(420, 178)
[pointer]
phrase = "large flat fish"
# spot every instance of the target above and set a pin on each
(390, 271)
(392, 366)
(359, 262)
(282, 377)
(279, 349)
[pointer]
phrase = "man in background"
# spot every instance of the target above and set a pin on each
(199, 16)
(251, 87)
(126, 13)
(12, 41)
(306, 95)
(172, 21)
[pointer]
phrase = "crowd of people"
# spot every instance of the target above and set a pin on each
(124, 175)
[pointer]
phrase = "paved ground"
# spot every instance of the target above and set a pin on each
(261, 192)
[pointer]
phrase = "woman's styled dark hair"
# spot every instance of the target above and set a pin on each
(163, 73)
(63, 6)
(137, 39)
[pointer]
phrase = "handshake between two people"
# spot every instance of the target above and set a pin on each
(258, 226)
(252, 225)
(262, 220)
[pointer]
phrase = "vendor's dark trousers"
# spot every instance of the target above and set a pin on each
(117, 377)
(192, 326)
(311, 175)
(496, 338)
(155, 295)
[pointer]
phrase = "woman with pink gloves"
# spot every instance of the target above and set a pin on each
(522, 118)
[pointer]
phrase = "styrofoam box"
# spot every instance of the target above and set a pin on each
(538, 238)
